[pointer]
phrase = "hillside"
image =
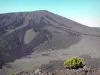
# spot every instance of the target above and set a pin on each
(41, 32)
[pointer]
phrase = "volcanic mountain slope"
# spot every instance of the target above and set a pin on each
(22, 33)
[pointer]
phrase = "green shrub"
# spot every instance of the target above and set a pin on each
(73, 62)
(12, 74)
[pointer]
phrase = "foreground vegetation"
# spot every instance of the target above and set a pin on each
(74, 62)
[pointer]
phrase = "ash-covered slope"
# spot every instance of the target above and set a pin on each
(24, 32)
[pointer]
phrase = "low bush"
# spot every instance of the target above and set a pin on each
(12, 74)
(74, 62)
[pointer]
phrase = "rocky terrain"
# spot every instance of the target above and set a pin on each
(86, 70)
(30, 39)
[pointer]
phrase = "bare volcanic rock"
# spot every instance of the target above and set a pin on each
(22, 33)
(87, 70)
(78, 72)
